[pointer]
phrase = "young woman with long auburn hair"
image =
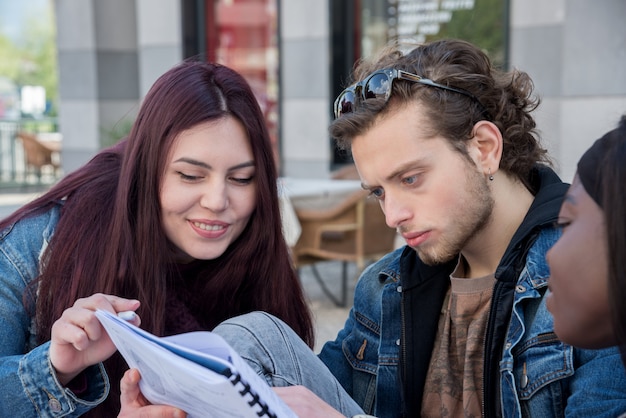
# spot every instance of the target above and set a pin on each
(179, 222)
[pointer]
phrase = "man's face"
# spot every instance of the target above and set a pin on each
(435, 197)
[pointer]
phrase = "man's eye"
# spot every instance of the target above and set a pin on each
(410, 180)
(378, 193)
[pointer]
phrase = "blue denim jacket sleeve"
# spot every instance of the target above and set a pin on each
(598, 388)
(28, 384)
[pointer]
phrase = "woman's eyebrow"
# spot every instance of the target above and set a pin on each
(243, 165)
(208, 167)
(569, 198)
(193, 162)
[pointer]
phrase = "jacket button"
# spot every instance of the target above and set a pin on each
(520, 289)
(524, 381)
(55, 405)
(398, 341)
(399, 289)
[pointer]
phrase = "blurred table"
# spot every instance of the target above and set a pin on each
(307, 191)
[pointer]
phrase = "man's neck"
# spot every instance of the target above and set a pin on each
(483, 253)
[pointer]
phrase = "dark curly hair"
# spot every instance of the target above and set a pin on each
(504, 98)
(613, 174)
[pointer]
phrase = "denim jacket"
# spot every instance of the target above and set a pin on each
(382, 354)
(28, 383)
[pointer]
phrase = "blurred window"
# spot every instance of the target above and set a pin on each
(243, 35)
(359, 28)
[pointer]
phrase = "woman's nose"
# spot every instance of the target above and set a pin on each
(215, 197)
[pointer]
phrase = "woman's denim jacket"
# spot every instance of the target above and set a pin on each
(537, 375)
(28, 384)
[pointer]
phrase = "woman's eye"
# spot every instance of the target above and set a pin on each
(562, 223)
(187, 177)
(242, 180)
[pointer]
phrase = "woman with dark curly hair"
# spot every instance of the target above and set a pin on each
(179, 222)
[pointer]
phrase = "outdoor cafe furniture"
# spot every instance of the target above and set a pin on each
(333, 220)
(39, 154)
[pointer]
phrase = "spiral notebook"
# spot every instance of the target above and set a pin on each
(197, 372)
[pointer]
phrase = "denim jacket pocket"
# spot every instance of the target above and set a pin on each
(540, 361)
(360, 346)
(361, 350)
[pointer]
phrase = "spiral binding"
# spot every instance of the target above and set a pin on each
(235, 378)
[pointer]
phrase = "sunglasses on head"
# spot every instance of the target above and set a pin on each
(378, 85)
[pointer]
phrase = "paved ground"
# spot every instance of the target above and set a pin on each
(11, 201)
(328, 317)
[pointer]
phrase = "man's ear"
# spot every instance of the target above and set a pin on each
(486, 146)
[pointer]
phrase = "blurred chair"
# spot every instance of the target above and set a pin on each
(340, 227)
(38, 154)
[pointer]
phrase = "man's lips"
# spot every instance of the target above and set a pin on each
(415, 239)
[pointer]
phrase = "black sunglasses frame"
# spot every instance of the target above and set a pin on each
(359, 90)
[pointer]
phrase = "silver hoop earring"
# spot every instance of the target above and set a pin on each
(490, 175)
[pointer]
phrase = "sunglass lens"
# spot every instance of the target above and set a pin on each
(345, 104)
(378, 85)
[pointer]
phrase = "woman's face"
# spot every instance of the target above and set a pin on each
(209, 189)
(578, 283)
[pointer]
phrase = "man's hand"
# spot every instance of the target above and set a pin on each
(305, 403)
(135, 405)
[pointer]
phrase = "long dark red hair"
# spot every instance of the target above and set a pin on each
(109, 238)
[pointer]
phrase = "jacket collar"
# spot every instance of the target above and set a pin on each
(543, 212)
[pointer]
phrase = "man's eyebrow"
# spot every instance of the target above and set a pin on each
(395, 173)
(208, 167)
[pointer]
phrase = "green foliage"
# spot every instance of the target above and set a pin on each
(484, 26)
(32, 60)
(9, 58)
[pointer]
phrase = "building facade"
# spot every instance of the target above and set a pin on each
(110, 53)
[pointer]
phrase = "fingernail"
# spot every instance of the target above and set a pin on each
(127, 315)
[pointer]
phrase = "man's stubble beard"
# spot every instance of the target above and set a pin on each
(473, 214)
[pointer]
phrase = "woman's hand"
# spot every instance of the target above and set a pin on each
(79, 340)
(305, 403)
(135, 405)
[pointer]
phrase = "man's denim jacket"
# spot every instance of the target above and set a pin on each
(539, 375)
(28, 384)
(382, 354)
